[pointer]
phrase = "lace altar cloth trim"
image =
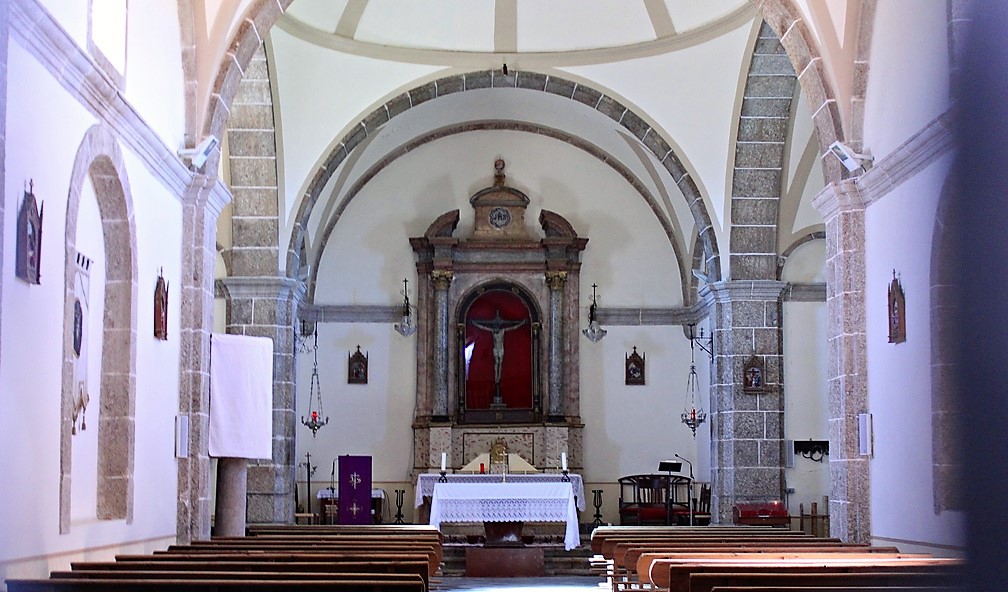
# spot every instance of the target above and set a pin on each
(507, 502)
(426, 481)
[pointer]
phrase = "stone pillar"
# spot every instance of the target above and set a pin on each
(747, 428)
(843, 209)
(232, 484)
(203, 202)
(556, 280)
(267, 307)
(442, 281)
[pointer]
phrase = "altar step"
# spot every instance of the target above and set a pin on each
(556, 561)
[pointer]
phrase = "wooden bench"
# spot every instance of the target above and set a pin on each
(886, 581)
(377, 566)
(674, 574)
(279, 556)
(253, 584)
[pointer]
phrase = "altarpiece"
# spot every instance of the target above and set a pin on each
(497, 350)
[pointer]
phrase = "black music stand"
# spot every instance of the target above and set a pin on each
(668, 466)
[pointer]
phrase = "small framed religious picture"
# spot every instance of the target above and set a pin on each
(29, 238)
(754, 375)
(357, 367)
(161, 308)
(897, 311)
(634, 368)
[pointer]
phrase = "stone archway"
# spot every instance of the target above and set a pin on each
(100, 159)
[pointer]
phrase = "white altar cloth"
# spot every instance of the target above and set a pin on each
(426, 481)
(507, 502)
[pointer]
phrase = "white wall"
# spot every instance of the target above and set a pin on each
(47, 125)
(899, 231)
(908, 78)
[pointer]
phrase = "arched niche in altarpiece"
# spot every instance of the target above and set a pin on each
(500, 355)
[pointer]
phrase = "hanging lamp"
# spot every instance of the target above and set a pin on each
(694, 415)
(315, 421)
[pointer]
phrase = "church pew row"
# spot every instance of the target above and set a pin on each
(339, 529)
(813, 586)
(826, 582)
(433, 555)
(615, 549)
(254, 583)
(630, 562)
(309, 543)
(602, 533)
(330, 556)
(315, 569)
(609, 547)
(631, 558)
(675, 574)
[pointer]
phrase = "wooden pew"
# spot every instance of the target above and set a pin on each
(848, 587)
(630, 561)
(278, 556)
(329, 568)
(886, 581)
(674, 574)
(253, 543)
(375, 584)
(603, 533)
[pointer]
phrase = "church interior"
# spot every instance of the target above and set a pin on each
(495, 236)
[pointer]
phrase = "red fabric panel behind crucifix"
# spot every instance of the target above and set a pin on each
(516, 364)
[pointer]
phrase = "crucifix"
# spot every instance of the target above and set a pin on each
(497, 327)
(309, 471)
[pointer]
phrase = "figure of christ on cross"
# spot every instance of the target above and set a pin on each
(497, 327)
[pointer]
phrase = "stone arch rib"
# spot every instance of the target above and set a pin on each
(509, 125)
(100, 159)
(758, 175)
(535, 81)
(786, 19)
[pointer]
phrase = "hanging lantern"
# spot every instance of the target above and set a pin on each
(693, 414)
(315, 421)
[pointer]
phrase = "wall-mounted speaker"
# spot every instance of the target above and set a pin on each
(865, 436)
(181, 436)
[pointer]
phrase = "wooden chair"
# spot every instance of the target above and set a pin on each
(701, 506)
(652, 499)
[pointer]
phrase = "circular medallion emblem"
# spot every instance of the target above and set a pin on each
(500, 217)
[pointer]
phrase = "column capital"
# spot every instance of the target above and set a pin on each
(741, 290)
(283, 288)
(441, 278)
(556, 280)
(836, 197)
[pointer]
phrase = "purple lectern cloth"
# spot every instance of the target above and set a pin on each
(355, 490)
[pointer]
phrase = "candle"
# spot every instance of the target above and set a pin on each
(563, 460)
(444, 459)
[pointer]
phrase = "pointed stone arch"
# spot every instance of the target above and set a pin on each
(100, 160)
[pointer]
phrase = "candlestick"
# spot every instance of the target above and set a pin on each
(563, 461)
(444, 459)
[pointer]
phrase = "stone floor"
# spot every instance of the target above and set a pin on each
(549, 584)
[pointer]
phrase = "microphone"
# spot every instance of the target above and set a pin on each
(687, 462)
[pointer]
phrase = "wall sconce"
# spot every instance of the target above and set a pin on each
(694, 415)
(406, 327)
(302, 332)
(315, 421)
(594, 332)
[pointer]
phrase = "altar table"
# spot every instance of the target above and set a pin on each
(507, 502)
(426, 481)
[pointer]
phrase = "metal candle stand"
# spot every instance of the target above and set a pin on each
(399, 493)
(443, 478)
(566, 476)
(597, 502)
